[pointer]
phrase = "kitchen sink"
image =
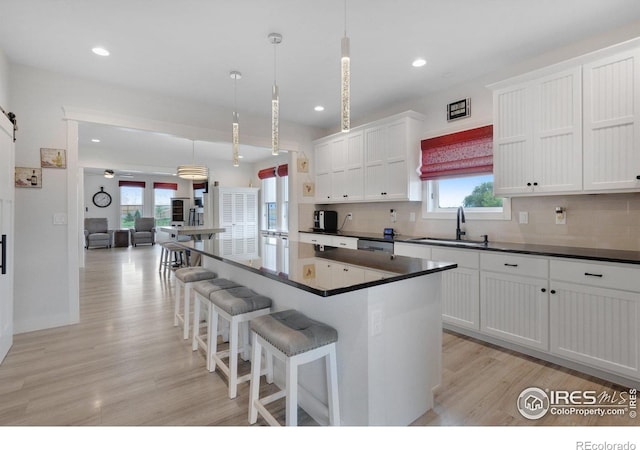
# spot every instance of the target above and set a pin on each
(461, 243)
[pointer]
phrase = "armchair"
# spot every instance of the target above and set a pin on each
(143, 231)
(96, 232)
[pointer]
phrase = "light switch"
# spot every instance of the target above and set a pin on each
(60, 219)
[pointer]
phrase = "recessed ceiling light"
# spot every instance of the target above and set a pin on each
(319, 108)
(100, 51)
(95, 140)
(419, 62)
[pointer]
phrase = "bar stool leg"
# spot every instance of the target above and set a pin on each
(254, 383)
(212, 339)
(161, 256)
(332, 386)
(187, 309)
(233, 358)
(196, 323)
(177, 295)
(291, 418)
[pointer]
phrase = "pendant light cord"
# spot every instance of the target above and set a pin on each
(345, 18)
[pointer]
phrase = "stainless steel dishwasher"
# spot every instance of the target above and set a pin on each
(375, 246)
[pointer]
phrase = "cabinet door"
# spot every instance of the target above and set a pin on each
(515, 308)
(461, 297)
(557, 132)
(323, 157)
(344, 275)
(611, 122)
(596, 326)
(375, 156)
(512, 156)
(354, 174)
(323, 187)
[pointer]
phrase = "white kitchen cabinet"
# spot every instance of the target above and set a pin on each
(514, 302)
(236, 210)
(460, 287)
(372, 162)
(612, 122)
(339, 168)
(391, 155)
(538, 136)
(594, 315)
(330, 240)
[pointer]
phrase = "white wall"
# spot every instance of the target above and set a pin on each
(4, 81)
(43, 297)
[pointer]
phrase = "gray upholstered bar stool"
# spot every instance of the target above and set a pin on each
(237, 306)
(295, 339)
(185, 277)
(202, 291)
(169, 252)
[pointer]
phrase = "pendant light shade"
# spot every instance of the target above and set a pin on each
(345, 79)
(235, 127)
(193, 171)
(275, 39)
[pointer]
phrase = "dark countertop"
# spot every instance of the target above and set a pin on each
(299, 265)
(592, 254)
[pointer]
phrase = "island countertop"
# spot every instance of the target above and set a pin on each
(300, 264)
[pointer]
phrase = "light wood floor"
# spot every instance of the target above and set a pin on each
(125, 364)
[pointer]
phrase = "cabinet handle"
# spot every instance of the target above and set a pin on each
(553, 291)
(597, 275)
(3, 243)
(528, 184)
(535, 184)
(345, 269)
(343, 244)
(510, 265)
(543, 290)
(637, 177)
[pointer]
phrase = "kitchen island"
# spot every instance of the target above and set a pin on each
(385, 308)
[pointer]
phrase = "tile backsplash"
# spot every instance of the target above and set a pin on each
(609, 221)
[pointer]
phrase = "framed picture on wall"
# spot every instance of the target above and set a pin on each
(53, 158)
(308, 190)
(28, 177)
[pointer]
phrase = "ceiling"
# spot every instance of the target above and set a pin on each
(187, 48)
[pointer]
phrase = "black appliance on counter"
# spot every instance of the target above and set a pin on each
(325, 221)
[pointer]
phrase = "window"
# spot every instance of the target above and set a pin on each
(131, 204)
(162, 206)
(474, 193)
(275, 198)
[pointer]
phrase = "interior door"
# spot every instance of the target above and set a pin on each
(6, 233)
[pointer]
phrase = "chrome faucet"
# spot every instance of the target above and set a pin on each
(459, 219)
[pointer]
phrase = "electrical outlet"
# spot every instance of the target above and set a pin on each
(523, 217)
(349, 216)
(394, 215)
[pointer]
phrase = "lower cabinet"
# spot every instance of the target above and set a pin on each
(515, 308)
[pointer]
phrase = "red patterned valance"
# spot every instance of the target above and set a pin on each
(463, 153)
(281, 171)
(141, 184)
(160, 185)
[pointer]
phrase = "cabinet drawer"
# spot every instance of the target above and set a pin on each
(463, 258)
(412, 250)
(515, 264)
(319, 239)
(597, 274)
(344, 242)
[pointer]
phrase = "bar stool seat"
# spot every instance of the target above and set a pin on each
(237, 305)
(295, 339)
(170, 251)
(203, 290)
(185, 277)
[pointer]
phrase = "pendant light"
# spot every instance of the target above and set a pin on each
(193, 171)
(108, 173)
(235, 129)
(345, 78)
(275, 39)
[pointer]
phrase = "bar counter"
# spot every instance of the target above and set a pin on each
(387, 310)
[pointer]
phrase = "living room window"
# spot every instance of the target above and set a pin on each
(275, 198)
(131, 202)
(162, 194)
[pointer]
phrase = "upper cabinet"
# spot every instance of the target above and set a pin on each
(374, 162)
(570, 128)
(538, 136)
(611, 122)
